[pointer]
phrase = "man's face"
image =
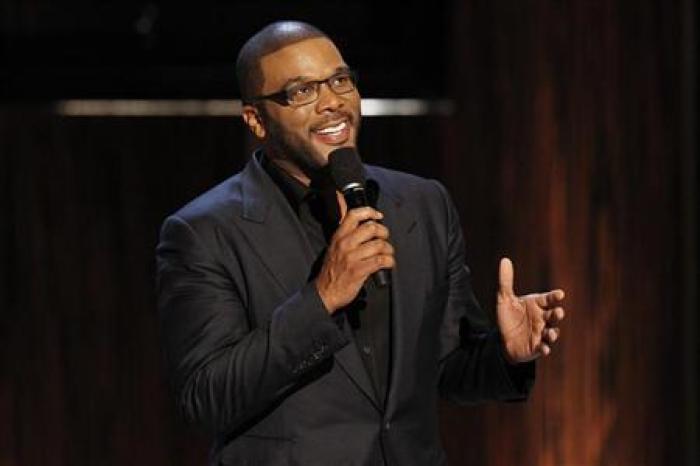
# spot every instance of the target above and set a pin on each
(305, 135)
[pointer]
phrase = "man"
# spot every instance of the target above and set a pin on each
(277, 340)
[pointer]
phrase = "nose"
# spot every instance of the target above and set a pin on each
(328, 101)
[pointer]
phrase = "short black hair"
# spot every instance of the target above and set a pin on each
(269, 39)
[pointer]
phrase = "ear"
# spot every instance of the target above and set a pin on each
(253, 119)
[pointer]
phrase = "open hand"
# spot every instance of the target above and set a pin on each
(528, 324)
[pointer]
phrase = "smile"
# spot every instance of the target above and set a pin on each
(333, 130)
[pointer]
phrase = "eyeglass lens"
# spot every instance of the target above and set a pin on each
(308, 92)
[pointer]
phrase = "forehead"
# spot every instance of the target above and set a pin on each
(314, 58)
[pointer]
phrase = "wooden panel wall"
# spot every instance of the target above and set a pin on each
(82, 202)
(566, 155)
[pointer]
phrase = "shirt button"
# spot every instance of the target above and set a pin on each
(366, 349)
(387, 426)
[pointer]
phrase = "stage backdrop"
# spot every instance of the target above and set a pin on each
(565, 152)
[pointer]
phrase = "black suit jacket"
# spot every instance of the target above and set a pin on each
(254, 357)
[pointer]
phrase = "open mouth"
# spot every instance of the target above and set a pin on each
(336, 133)
(333, 129)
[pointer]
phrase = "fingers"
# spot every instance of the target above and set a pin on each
(361, 236)
(363, 233)
(550, 335)
(505, 277)
(555, 315)
(372, 248)
(358, 248)
(356, 216)
(372, 264)
(550, 299)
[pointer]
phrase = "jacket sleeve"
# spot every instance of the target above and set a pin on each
(224, 370)
(472, 365)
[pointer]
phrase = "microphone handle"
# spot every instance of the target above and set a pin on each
(355, 197)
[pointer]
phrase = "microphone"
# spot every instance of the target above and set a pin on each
(348, 175)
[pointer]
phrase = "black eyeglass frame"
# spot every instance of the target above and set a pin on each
(282, 97)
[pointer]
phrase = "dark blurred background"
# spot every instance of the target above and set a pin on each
(570, 146)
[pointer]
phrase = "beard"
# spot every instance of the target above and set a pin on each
(289, 146)
(300, 151)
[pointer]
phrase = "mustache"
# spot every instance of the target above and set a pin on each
(335, 116)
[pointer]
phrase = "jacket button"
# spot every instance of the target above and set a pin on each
(387, 425)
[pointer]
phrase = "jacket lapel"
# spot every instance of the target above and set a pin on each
(273, 229)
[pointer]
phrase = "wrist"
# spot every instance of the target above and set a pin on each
(325, 299)
(505, 353)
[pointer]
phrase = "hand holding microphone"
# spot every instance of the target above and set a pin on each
(360, 246)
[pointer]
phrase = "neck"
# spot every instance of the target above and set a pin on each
(292, 170)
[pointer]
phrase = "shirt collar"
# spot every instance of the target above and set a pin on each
(298, 193)
(294, 190)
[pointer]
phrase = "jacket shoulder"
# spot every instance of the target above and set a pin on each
(406, 186)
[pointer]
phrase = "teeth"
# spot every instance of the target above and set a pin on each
(333, 129)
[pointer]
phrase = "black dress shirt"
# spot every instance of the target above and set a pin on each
(369, 315)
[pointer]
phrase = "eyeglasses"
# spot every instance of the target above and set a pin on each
(307, 92)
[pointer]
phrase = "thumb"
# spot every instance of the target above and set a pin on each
(505, 277)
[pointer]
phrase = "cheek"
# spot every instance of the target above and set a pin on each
(292, 117)
(289, 134)
(295, 134)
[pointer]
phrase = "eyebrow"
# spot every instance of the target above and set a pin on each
(298, 79)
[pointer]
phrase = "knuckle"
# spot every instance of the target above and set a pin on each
(387, 261)
(343, 244)
(374, 227)
(353, 215)
(363, 211)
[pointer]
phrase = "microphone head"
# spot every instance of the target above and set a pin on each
(346, 168)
